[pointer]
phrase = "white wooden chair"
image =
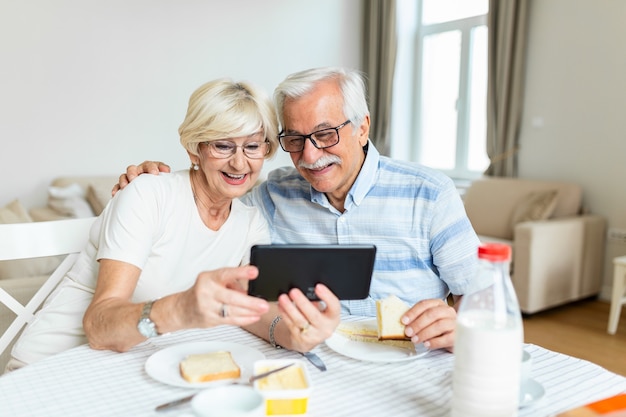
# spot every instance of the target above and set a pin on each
(34, 240)
(618, 297)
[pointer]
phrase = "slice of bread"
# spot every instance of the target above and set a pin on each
(360, 332)
(389, 311)
(206, 367)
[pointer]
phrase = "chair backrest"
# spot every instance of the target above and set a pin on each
(34, 240)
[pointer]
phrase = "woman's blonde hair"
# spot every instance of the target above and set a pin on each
(222, 109)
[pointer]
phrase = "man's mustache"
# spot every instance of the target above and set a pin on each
(321, 163)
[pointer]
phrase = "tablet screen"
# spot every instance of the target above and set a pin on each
(345, 269)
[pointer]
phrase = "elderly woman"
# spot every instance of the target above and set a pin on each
(170, 252)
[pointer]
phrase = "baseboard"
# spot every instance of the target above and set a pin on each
(605, 293)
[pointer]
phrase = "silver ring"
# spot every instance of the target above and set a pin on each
(224, 310)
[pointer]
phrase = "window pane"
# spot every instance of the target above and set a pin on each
(440, 87)
(437, 11)
(477, 155)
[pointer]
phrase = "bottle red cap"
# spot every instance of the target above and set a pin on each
(494, 252)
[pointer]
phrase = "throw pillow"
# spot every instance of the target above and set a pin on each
(538, 205)
(72, 190)
(69, 201)
(98, 195)
(14, 212)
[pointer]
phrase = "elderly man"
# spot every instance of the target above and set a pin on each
(341, 190)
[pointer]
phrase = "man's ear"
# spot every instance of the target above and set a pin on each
(364, 130)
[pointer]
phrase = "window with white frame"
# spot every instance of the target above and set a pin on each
(440, 92)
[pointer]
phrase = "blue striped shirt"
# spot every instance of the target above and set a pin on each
(426, 246)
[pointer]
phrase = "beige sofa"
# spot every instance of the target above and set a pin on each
(68, 197)
(558, 249)
(88, 196)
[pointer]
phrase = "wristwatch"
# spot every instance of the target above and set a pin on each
(146, 326)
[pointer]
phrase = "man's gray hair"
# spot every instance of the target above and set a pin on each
(350, 82)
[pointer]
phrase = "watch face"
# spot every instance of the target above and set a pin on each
(147, 328)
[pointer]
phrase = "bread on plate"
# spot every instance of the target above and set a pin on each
(207, 367)
(389, 311)
(366, 332)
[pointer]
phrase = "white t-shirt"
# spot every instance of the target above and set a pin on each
(153, 224)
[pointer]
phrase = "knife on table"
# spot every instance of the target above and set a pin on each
(315, 360)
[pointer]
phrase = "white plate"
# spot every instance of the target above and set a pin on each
(372, 351)
(164, 364)
(531, 392)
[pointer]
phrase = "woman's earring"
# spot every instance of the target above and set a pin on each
(195, 167)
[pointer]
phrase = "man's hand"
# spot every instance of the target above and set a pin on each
(132, 171)
(309, 323)
(431, 322)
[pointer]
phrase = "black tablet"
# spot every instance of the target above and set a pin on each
(345, 269)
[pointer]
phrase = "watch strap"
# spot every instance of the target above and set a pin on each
(147, 309)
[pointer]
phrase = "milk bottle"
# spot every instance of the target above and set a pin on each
(488, 342)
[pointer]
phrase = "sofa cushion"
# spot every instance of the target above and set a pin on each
(97, 189)
(45, 214)
(537, 205)
(14, 212)
(69, 201)
(98, 195)
(491, 201)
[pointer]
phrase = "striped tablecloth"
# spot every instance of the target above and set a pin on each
(85, 382)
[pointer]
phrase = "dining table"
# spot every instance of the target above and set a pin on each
(87, 382)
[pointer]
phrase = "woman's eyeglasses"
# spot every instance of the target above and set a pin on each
(225, 149)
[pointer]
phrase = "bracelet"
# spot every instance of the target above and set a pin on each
(272, 326)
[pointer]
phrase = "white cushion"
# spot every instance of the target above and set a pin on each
(69, 201)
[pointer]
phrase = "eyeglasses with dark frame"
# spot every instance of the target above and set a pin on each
(223, 149)
(321, 139)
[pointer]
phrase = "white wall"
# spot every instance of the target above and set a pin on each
(88, 87)
(576, 93)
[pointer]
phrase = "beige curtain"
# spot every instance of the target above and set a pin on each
(379, 55)
(507, 50)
